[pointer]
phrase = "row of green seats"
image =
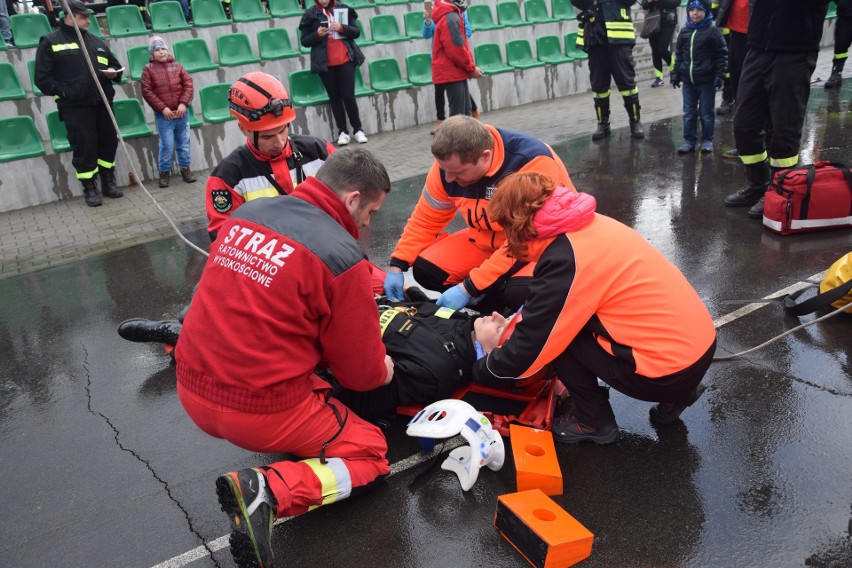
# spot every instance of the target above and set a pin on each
(20, 139)
(509, 14)
(489, 56)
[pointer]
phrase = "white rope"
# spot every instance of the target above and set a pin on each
(136, 175)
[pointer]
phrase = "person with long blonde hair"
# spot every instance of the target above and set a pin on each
(603, 303)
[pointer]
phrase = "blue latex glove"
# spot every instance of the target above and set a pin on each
(675, 83)
(719, 83)
(455, 298)
(393, 286)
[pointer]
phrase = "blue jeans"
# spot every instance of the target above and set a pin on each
(700, 98)
(174, 136)
(5, 26)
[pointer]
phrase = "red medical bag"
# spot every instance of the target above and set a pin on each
(810, 198)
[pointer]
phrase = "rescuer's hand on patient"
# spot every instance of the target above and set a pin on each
(455, 298)
(389, 365)
(394, 282)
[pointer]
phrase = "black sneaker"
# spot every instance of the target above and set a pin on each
(569, 430)
(250, 507)
(668, 412)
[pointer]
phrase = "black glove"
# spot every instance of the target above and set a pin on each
(720, 82)
(675, 83)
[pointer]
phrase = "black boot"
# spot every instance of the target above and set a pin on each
(756, 210)
(602, 112)
(836, 77)
(108, 186)
(90, 193)
(631, 103)
(147, 331)
(758, 180)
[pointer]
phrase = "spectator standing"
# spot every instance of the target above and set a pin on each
(452, 61)
(842, 41)
(61, 71)
(733, 20)
(440, 99)
(606, 33)
(661, 42)
(334, 57)
(775, 84)
(5, 26)
(264, 396)
(701, 59)
(167, 88)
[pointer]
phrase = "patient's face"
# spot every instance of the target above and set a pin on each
(488, 330)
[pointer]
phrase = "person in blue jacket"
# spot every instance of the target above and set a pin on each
(701, 60)
(440, 101)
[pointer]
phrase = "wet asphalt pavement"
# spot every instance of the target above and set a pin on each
(101, 467)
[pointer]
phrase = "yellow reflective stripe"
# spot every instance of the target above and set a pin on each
(841, 55)
(334, 479)
(726, 31)
(105, 164)
(63, 46)
(629, 92)
(619, 25)
(753, 158)
(658, 73)
(444, 313)
(784, 162)
(103, 60)
(620, 35)
(624, 13)
(385, 318)
(603, 95)
(265, 192)
(87, 175)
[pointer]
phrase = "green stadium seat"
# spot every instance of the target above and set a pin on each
(549, 50)
(385, 75)
(130, 118)
(94, 27)
(27, 29)
(57, 132)
(19, 139)
(306, 89)
(193, 54)
(535, 12)
(385, 29)
(125, 21)
(571, 49)
(361, 90)
(10, 84)
(235, 49)
(562, 10)
(489, 58)
(413, 23)
(389, 2)
(274, 43)
(4, 46)
(214, 102)
(248, 11)
(31, 69)
(360, 4)
(137, 57)
(520, 56)
(284, 8)
(193, 121)
(362, 40)
(167, 16)
(481, 18)
(509, 14)
(207, 13)
(419, 68)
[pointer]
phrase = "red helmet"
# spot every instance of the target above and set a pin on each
(260, 102)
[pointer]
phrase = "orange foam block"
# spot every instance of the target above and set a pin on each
(541, 530)
(535, 460)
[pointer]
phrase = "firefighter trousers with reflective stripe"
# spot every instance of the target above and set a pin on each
(774, 88)
(608, 63)
(92, 138)
(354, 455)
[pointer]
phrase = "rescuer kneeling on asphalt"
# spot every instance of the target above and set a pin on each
(286, 287)
(603, 303)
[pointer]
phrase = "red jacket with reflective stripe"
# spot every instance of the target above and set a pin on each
(451, 57)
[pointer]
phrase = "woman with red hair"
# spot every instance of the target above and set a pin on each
(603, 304)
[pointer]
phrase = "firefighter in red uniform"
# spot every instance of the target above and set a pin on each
(273, 161)
(245, 361)
(470, 159)
(606, 33)
(603, 303)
